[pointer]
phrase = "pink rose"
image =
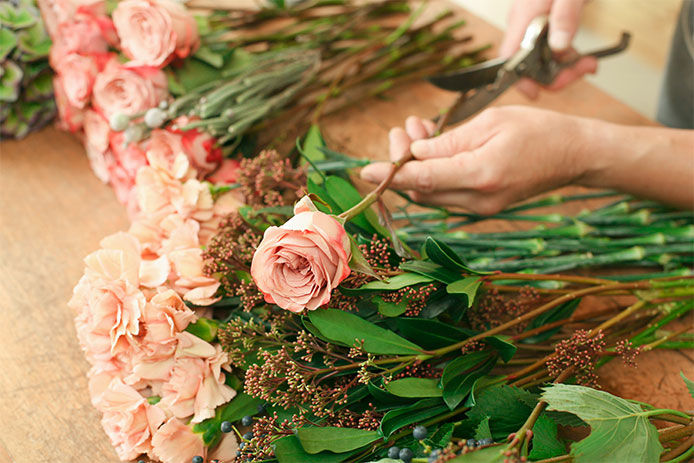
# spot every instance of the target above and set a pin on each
(82, 35)
(122, 90)
(129, 420)
(297, 265)
(130, 156)
(196, 386)
(78, 74)
(96, 141)
(70, 117)
(175, 442)
(228, 172)
(152, 32)
(56, 12)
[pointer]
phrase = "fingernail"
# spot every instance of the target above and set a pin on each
(419, 148)
(559, 40)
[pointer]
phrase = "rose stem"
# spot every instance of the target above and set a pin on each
(681, 453)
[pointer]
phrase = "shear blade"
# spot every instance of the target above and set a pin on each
(471, 77)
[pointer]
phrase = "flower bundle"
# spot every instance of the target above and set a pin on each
(286, 320)
(151, 75)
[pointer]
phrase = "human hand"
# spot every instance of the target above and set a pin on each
(564, 19)
(503, 155)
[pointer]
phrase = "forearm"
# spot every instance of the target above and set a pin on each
(649, 162)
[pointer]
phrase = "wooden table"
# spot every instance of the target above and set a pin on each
(53, 212)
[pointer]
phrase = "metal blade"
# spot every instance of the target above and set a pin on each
(471, 77)
(480, 98)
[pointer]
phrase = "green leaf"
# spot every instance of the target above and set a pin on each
(237, 408)
(204, 328)
(316, 439)
(389, 309)
(206, 55)
(357, 261)
(415, 387)
(458, 387)
(440, 253)
(493, 454)
(193, 73)
(482, 430)
(502, 345)
(315, 188)
(442, 436)
(8, 40)
(431, 334)
(507, 408)
(417, 412)
(432, 270)
(480, 385)
(467, 286)
(689, 383)
(10, 81)
(463, 364)
(620, 430)
(561, 312)
(403, 280)
(289, 450)
(14, 17)
(546, 443)
(313, 142)
(351, 329)
(346, 196)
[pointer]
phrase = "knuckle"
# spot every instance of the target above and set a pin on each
(487, 181)
(487, 207)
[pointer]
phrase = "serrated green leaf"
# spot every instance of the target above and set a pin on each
(620, 430)
(507, 408)
(415, 387)
(467, 286)
(440, 253)
(493, 454)
(482, 430)
(546, 443)
(415, 413)
(441, 437)
(689, 383)
(289, 450)
(317, 439)
(351, 329)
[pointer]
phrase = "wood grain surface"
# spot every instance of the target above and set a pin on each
(53, 212)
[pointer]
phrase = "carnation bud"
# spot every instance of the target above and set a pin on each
(155, 117)
(119, 122)
(164, 104)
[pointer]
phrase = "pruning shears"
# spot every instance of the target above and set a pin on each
(484, 82)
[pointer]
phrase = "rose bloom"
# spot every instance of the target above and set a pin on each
(78, 74)
(200, 146)
(130, 156)
(228, 172)
(297, 265)
(196, 386)
(69, 117)
(152, 32)
(56, 12)
(129, 421)
(96, 142)
(122, 90)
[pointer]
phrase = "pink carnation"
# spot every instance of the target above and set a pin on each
(96, 143)
(196, 386)
(78, 74)
(129, 420)
(70, 117)
(174, 442)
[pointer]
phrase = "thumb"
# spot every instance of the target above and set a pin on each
(564, 19)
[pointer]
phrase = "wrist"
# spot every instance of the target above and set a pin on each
(599, 151)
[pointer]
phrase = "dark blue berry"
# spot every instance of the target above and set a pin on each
(226, 426)
(471, 443)
(248, 436)
(140, 461)
(485, 441)
(247, 420)
(242, 445)
(238, 453)
(393, 452)
(198, 459)
(434, 455)
(261, 408)
(419, 433)
(406, 455)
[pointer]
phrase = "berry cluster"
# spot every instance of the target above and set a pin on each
(263, 177)
(580, 351)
